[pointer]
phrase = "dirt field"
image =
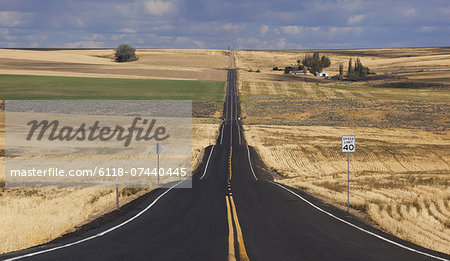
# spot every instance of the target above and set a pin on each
(400, 173)
(152, 64)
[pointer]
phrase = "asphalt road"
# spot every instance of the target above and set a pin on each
(233, 212)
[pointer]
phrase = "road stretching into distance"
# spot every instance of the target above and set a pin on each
(232, 212)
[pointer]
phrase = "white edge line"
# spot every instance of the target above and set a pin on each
(99, 234)
(239, 131)
(359, 228)
(249, 161)
(207, 162)
(221, 135)
(226, 101)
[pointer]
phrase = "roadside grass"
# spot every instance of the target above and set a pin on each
(25, 87)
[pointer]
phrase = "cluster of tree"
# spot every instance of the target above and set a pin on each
(314, 63)
(288, 69)
(125, 53)
(357, 70)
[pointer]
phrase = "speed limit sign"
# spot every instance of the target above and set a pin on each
(348, 143)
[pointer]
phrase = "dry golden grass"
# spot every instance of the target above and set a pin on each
(400, 174)
(347, 104)
(35, 216)
(399, 177)
(154, 64)
(203, 135)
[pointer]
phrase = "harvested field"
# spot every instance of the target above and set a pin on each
(308, 104)
(35, 216)
(207, 65)
(400, 173)
(398, 178)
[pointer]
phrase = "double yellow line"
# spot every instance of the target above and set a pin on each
(231, 209)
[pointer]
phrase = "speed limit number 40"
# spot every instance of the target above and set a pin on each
(348, 143)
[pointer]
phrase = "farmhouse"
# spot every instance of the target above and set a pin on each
(297, 72)
(322, 74)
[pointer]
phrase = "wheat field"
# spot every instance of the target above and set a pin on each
(36, 216)
(399, 180)
(152, 64)
(400, 173)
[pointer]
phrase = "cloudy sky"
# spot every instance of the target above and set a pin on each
(261, 24)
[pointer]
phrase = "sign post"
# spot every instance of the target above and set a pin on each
(117, 193)
(348, 145)
(157, 149)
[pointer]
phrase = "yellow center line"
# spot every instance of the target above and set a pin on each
(242, 252)
(231, 207)
(231, 254)
(231, 136)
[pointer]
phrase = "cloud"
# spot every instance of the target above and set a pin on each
(93, 37)
(215, 24)
(12, 19)
(445, 11)
(281, 43)
(4, 31)
(251, 42)
(427, 28)
(232, 27)
(188, 42)
(351, 5)
(409, 11)
(160, 7)
(345, 30)
(127, 31)
(85, 44)
(292, 29)
(116, 37)
(315, 29)
(342, 5)
(355, 19)
(264, 29)
(200, 44)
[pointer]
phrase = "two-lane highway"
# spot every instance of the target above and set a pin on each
(231, 213)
